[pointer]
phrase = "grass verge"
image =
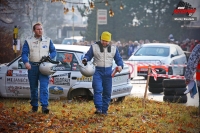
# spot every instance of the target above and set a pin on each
(78, 117)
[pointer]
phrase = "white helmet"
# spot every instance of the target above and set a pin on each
(47, 68)
(87, 70)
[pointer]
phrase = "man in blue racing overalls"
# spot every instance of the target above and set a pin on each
(34, 48)
(103, 54)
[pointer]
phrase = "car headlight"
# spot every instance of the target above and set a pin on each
(158, 63)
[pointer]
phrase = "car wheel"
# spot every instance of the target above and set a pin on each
(174, 83)
(80, 95)
(174, 91)
(117, 100)
(175, 99)
(120, 99)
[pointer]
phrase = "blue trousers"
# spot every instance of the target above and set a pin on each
(102, 86)
(34, 76)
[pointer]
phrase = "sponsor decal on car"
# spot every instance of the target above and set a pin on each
(9, 72)
(61, 81)
(56, 90)
(84, 79)
(17, 80)
(119, 90)
(20, 73)
(15, 89)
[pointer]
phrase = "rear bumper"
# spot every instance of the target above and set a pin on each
(121, 90)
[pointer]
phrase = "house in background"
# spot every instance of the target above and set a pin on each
(74, 22)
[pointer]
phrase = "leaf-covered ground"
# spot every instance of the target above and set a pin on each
(78, 117)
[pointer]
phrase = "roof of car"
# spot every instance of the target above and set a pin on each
(77, 48)
(159, 44)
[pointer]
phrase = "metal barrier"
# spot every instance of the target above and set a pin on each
(139, 69)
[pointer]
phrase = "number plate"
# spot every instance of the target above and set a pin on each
(143, 69)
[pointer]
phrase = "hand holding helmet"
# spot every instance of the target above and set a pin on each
(84, 61)
(44, 58)
(47, 66)
(88, 69)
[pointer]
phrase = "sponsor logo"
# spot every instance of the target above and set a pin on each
(44, 46)
(61, 81)
(84, 79)
(184, 8)
(17, 80)
(56, 90)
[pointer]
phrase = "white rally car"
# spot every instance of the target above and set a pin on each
(66, 82)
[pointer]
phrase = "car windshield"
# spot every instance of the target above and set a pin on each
(69, 41)
(152, 51)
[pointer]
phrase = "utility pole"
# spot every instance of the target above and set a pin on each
(97, 27)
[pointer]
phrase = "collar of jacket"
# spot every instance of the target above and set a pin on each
(101, 47)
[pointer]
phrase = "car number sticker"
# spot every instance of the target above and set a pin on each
(68, 58)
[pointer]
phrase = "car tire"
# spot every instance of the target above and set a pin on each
(118, 100)
(81, 93)
(155, 90)
(159, 80)
(174, 91)
(173, 83)
(155, 85)
(175, 99)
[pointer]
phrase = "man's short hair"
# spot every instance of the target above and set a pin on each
(38, 23)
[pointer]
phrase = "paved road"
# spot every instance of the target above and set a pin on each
(139, 89)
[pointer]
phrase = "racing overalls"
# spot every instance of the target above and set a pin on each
(102, 80)
(32, 51)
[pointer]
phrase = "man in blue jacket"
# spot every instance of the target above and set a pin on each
(103, 54)
(34, 48)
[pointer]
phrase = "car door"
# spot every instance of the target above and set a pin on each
(16, 80)
(182, 60)
(175, 60)
(65, 76)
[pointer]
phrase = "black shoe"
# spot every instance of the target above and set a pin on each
(98, 112)
(104, 113)
(45, 110)
(34, 108)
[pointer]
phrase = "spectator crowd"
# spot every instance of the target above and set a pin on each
(126, 49)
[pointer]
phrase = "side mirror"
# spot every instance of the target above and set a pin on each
(172, 55)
